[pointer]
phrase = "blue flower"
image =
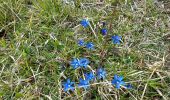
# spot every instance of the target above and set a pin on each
(104, 31)
(74, 63)
(83, 83)
(85, 23)
(84, 62)
(68, 85)
(128, 86)
(90, 46)
(81, 42)
(116, 39)
(89, 76)
(101, 73)
(118, 81)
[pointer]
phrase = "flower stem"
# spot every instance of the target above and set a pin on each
(93, 30)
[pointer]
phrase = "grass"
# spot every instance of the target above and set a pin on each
(39, 39)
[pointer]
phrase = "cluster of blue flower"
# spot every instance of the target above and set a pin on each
(117, 81)
(88, 45)
(85, 23)
(85, 83)
(82, 62)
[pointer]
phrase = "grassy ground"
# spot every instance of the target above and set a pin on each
(38, 39)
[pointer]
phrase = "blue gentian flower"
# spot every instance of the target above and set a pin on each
(89, 76)
(84, 62)
(85, 23)
(81, 42)
(116, 39)
(104, 31)
(90, 46)
(75, 63)
(68, 85)
(128, 86)
(83, 83)
(118, 81)
(101, 73)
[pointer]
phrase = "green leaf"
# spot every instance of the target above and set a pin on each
(18, 95)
